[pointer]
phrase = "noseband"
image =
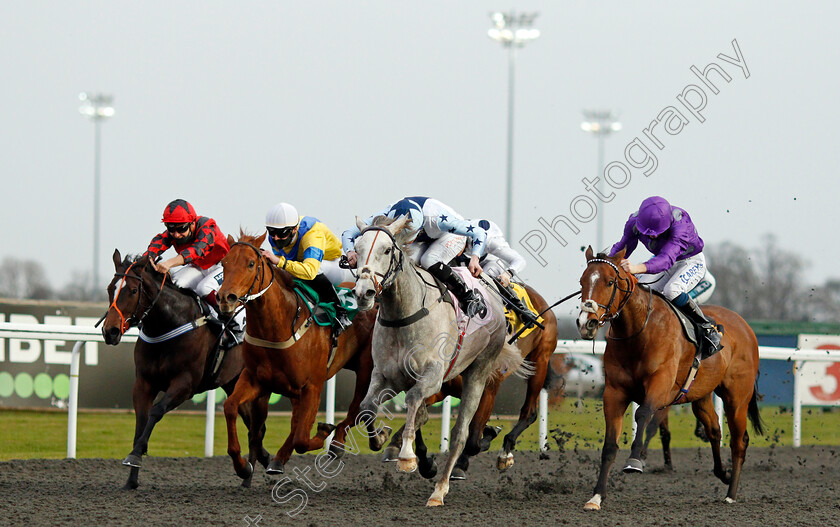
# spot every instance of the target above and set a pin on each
(247, 297)
(394, 266)
(590, 305)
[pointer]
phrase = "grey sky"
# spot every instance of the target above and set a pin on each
(342, 107)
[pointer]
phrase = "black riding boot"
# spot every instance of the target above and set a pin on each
(527, 316)
(327, 293)
(471, 302)
(710, 333)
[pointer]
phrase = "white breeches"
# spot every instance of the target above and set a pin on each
(334, 273)
(202, 281)
(682, 277)
(443, 250)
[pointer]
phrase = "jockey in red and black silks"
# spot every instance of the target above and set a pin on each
(200, 246)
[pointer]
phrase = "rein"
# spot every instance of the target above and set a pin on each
(589, 306)
(380, 286)
(248, 296)
(126, 323)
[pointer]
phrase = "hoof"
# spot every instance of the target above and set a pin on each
(594, 504)
(337, 450)
(131, 485)
(407, 465)
(246, 471)
(634, 465)
(728, 500)
(325, 428)
(504, 462)
(132, 461)
(431, 472)
(246, 483)
(434, 502)
(458, 474)
(392, 453)
(274, 468)
(375, 443)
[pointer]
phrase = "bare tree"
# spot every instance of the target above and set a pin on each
(24, 279)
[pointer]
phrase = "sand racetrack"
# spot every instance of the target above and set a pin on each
(779, 486)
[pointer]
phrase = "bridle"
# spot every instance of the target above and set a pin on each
(395, 265)
(589, 306)
(248, 296)
(133, 320)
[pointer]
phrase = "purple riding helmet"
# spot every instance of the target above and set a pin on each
(654, 216)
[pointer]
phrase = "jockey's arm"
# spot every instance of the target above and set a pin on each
(629, 239)
(466, 228)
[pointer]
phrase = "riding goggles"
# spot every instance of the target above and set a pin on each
(283, 234)
(177, 228)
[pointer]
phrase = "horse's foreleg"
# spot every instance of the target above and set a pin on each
(177, 392)
(704, 410)
(427, 385)
(142, 395)
(245, 412)
(245, 391)
(258, 413)
(615, 404)
(380, 391)
(474, 378)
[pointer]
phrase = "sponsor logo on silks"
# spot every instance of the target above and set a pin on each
(693, 271)
(219, 277)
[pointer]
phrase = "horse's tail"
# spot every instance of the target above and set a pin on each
(510, 360)
(752, 410)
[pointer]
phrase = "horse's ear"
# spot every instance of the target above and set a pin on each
(360, 223)
(230, 239)
(259, 241)
(589, 254)
(399, 224)
(117, 259)
(620, 254)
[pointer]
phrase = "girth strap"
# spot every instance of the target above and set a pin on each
(288, 343)
(177, 332)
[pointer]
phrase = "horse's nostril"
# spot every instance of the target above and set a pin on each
(231, 298)
(591, 323)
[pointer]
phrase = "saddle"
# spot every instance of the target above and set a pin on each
(691, 330)
(228, 334)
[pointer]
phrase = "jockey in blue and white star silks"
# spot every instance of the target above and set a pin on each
(499, 260)
(440, 234)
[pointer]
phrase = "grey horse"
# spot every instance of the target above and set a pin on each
(418, 343)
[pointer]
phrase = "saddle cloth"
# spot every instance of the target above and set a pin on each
(475, 323)
(324, 312)
(513, 318)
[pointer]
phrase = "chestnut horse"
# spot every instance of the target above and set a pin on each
(285, 352)
(537, 348)
(647, 361)
(176, 356)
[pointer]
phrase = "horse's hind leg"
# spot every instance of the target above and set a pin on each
(653, 426)
(258, 410)
(142, 395)
(426, 463)
(528, 414)
(665, 437)
(736, 417)
(476, 429)
(704, 410)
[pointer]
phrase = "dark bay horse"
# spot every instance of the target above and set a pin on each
(180, 366)
(285, 352)
(537, 348)
(647, 361)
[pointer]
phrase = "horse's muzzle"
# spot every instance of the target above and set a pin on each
(587, 329)
(111, 335)
(365, 296)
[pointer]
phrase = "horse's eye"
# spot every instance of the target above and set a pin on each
(388, 250)
(611, 282)
(133, 290)
(251, 264)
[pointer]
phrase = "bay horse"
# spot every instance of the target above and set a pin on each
(175, 356)
(537, 348)
(285, 352)
(418, 344)
(647, 361)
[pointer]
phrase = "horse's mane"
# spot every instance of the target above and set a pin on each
(279, 274)
(134, 258)
(385, 221)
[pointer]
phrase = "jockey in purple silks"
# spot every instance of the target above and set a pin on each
(678, 264)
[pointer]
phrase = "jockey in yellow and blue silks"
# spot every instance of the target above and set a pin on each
(307, 249)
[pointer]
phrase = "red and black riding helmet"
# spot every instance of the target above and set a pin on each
(179, 211)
